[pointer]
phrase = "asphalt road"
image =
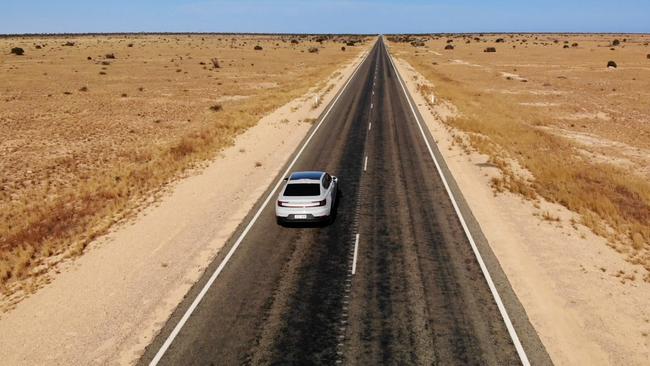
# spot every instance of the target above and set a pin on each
(418, 296)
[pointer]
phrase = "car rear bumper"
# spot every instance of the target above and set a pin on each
(311, 214)
(309, 219)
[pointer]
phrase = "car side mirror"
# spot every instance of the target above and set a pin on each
(286, 179)
(335, 179)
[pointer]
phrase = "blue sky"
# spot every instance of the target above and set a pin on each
(317, 16)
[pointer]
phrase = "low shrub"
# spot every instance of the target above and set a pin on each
(17, 51)
(490, 49)
(257, 48)
(612, 64)
(313, 50)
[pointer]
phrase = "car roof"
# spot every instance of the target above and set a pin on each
(306, 175)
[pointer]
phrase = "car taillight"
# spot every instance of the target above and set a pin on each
(281, 203)
(321, 203)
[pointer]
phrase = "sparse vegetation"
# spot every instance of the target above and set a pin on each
(257, 48)
(490, 49)
(547, 216)
(534, 147)
(18, 51)
(612, 64)
(313, 49)
(54, 204)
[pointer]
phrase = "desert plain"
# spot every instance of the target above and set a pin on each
(91, 127)
(549, 146)
(565, 117)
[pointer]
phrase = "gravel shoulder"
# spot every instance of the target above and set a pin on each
(106, 306)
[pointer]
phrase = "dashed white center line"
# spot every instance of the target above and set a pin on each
(356, 250)
(195, 303)
(370, 105)
(365, 163)
(369, 126)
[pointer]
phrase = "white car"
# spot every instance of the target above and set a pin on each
(307, 197)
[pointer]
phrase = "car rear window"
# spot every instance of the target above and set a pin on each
(302, 189)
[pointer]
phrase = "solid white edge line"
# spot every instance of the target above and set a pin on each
(365, 163)
(497, 298)
(204, 290)
(354, 258)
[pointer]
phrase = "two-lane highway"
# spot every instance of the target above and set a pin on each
(289, 295)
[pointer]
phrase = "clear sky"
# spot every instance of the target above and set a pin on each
(319, 16)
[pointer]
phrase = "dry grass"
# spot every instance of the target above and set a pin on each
(74, 163)
(582, 130)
